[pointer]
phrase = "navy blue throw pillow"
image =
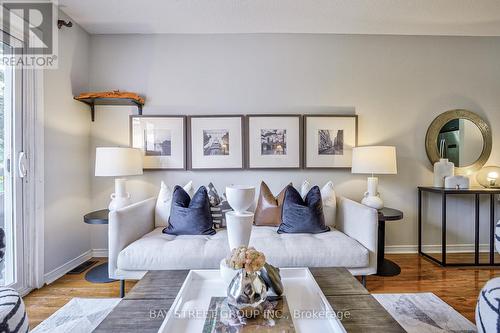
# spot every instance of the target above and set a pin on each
(190, 216)
(302, 216)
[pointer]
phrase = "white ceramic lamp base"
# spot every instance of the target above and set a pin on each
(372, 198)
(121, 198)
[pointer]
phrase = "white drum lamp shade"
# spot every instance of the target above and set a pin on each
(374, 160)
(118, 162)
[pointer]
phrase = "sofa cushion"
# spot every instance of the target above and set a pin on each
(190, 216)
(164, 203)
(157, 251)
(218, 206)
(302, 216)
(268, 210)
(329, 200)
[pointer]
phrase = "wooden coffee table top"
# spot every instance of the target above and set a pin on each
(144, 307)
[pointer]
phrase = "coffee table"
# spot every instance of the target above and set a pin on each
(144, 308)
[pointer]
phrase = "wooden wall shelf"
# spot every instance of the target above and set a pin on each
(110, 98)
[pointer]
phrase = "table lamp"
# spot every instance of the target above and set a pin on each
(118, 162)
(374, 160)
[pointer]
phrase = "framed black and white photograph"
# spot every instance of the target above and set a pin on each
(329, 140)
(274, 141)
(162, 139)
(216, 142)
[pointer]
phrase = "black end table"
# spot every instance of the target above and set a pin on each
(386, 267)
(99, 273)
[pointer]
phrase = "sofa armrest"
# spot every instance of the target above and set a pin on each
(127, 225)
(360, 223)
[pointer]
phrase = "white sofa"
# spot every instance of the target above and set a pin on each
(135, 246)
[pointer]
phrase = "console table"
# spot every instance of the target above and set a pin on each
(476, 192)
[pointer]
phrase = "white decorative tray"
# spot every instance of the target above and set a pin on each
(309, 309)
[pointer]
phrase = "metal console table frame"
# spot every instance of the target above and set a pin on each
(444, 194)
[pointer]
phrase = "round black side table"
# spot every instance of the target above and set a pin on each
(386, 267)
(99, 273)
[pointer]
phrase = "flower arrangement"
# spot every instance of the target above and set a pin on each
(245, 258)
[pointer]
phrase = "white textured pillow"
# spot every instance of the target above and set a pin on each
(329, 200)
(164, 201)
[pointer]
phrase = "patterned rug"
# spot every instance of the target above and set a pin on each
(417, 313)
(424, 312)
(80, 315)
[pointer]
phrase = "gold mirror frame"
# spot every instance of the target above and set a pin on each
(435, 127)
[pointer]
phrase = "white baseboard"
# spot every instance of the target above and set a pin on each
(100, 253)
(452, 248)
(65, 268)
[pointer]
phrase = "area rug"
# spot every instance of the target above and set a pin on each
(80, 315)
(417, 313)
(424, 312)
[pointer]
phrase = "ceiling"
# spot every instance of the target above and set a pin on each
(399, 17)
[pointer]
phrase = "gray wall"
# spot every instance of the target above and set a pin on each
(396, 84)
(67, 151)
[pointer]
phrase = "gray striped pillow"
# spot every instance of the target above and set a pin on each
(218, 207)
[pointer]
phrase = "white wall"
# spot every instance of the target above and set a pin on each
(397, 85)
(67, 152)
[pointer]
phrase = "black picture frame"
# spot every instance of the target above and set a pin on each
(190, 147)
(184, 124)
(301, 141)
(305, 143)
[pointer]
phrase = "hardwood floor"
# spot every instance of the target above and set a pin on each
(459, 287)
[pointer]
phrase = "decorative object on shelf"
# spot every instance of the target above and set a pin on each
(272, 278)
(457, 182)
(442, 169)
(247, 291)
(329, 140)
(462, 137)
(162, 140)
(489, 176)
(115, 97)
(216, 142)
(374, 160)
(274, 141)
(239, 221)
(118, 162)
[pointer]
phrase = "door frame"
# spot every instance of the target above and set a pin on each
(33, 195)
(32, 201)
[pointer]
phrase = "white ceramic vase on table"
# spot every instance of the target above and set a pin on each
(442, 169)
(239, 221)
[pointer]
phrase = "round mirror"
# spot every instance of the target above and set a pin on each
(460, 136)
